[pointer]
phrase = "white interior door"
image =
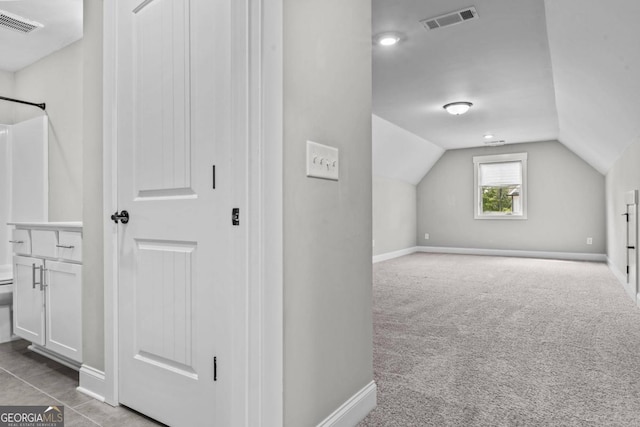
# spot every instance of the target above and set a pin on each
(632, 248)
(175, 281)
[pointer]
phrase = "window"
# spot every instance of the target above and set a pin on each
(500, 186)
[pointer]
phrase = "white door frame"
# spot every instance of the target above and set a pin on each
(264, 387)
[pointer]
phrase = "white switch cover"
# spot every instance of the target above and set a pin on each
(322, 161)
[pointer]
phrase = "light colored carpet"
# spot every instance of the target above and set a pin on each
(490, 341)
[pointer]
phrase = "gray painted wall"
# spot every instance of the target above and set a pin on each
(394, 215)
(6, 89)
(327, 224)
(621, 178)
(92, 251)
(57, 80)
(566, 203)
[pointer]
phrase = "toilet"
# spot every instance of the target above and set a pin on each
(6, 301)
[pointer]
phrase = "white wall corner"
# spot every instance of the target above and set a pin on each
(353, 410)
(92, 382)
(394, 254)
(568, 256)
(6, 271)
(622, 278)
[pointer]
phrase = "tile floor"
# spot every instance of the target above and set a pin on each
(26, 378)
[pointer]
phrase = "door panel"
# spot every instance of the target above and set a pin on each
(64, 309)
(28, 300)
(164, 297)
(162, 107)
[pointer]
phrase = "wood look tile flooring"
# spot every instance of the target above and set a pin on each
(27, 378)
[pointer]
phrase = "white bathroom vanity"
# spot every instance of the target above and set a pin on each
(47, 293)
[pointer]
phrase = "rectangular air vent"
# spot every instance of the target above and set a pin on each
(17, 23)
(450, 18)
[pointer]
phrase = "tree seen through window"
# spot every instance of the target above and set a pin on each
(499, 199)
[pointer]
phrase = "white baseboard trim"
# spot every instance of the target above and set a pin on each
(570, 256)
(92, 382)
(353, 410)
(622, 278)
(394, 254)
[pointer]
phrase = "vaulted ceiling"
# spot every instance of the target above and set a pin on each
(534, 70)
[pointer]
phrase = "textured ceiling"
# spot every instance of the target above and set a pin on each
(534, 70)
(62, 20)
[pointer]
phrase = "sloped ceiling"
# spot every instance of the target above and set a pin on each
(62, 20)
(534, 70)
(595, 53)
(399, 154)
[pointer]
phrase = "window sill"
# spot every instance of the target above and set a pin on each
(498, 217)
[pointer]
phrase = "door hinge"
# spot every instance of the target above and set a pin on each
(627, 270)
(215, 368)
(235, 216)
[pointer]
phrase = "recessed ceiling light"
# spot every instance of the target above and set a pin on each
(388, 39)
(457, 108)
(488, 136)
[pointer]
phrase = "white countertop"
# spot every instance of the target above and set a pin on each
(73, 225)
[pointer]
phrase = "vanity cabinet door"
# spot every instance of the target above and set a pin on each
(64, 309)
(28, 299)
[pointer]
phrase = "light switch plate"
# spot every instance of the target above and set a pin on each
(322, 161)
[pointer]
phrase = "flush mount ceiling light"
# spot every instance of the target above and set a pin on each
(488, 136)
(495, 143)
(388, 39)
(457, 108)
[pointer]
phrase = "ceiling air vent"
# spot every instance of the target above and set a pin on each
(450, 18)
(17, 23)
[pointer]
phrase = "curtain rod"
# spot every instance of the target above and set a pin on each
(42, 106)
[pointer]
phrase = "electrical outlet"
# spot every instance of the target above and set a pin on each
(589, 240)
(426, 236)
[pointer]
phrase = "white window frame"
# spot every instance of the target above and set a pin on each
(477, 197)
